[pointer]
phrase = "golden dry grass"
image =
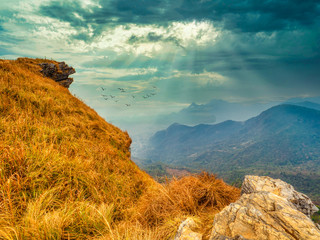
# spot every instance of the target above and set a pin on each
(65, 173)
(201, 196)
(51, 141)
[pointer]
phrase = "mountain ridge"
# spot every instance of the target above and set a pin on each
(249, 125)
(283, 139)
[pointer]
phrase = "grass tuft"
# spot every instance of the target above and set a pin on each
(200, 195)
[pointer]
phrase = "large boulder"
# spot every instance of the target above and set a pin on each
(254, 184)
(263, 216)
(58, 72)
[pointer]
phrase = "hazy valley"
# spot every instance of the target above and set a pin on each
(281, 142)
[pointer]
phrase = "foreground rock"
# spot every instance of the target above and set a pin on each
(303, 203)
(185, 231)
(59, 73)
(264, 215)
(268, 209)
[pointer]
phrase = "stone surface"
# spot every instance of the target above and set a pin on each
(185, 231)
(59, 73)
(303, 203)
(263, 216)
(220, 237)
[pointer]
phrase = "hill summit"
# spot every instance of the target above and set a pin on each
(58, 156)
(65, 173)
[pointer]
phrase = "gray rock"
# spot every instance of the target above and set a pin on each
(303, 203)
(263, 216)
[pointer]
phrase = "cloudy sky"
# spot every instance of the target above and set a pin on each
(167, 54)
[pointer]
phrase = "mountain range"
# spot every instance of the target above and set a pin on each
(282, 141)
(217, 110)
(214, 111)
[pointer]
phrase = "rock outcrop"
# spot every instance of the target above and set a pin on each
(264, 215)
(59, 73)
(185, 231)
(267, 210)
(303, 203)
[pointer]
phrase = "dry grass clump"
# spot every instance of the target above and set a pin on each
(202, 195)
(48, 218)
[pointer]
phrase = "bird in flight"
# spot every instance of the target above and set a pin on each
(121, 89)
(128, 105)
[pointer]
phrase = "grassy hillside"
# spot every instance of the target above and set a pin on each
(65, 173)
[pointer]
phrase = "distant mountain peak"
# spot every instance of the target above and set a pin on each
(175, 125)
(192, 105)
(292, 109)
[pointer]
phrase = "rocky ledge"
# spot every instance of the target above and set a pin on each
(58, 72)
(268, 209)
(254, 184)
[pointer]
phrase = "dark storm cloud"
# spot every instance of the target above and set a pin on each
(267, 42)
(153, 37)
(254, 15)
(65, 11)
(244, 16)
(142, 8)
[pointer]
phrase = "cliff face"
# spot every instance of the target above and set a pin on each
(59, 72)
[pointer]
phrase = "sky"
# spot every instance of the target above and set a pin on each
(166, 55)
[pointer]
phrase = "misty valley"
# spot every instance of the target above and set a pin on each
(281, 142)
